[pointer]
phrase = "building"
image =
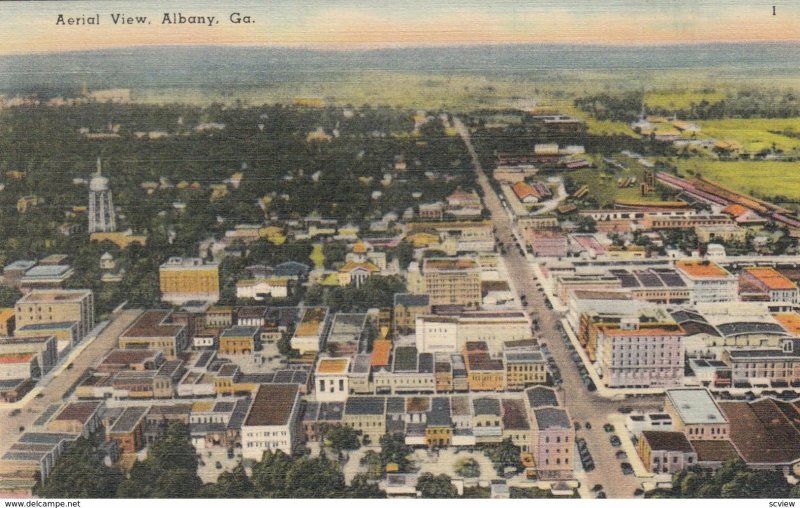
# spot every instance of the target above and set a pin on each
(450, 332)
(57, 306)
(367, 414)
(656, 285)
(127, 429)
(452, 281)
(664, 452)
(272, 422)
(516, 425)
(484, 373)
(764, 365)
(548, 243)
(81, 417)
(185, 279)
(708, 281)
(524, 368)
(102, 218)
(770, 282)
(695, 413)
(239, 340)
(310, 331)
(411, 372)
(332, 383)
(46, 277)
(722, 233)
(439, 425)
(553, 443)
(640, 351)
(262, 288)
(31, 356)
(407, 307)
(154, 330)
(7, 322)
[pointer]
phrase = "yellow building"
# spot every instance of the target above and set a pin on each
(524, 368)
(42, 306)
(121, 239)
(185, 279)
(7, 321)
(452, 281)
(484, 373)
(239, 340)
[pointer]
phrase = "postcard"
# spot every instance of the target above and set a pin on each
(399, 250)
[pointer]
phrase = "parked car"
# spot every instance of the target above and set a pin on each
(601, 495)
(597, 488)
(638, 492)
(17, 411)
(614, 440)
(218, 465)
(577, 425)
(625, 409)
(626, 468)
(621, 455)
(588, 425)
(608, 427)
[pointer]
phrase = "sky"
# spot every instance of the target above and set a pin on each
(30, 27)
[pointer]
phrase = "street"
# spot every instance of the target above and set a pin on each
(55, 390)
(583, 406)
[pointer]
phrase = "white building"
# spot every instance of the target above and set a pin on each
(449, 333)
(332, 383)
(272, 422)
(709, 282)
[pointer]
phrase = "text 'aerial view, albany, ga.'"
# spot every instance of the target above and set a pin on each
(420, 249)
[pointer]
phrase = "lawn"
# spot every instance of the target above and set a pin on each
(753, 134)
(762, 179)
(603, 186)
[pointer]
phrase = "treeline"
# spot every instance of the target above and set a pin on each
(733, 480)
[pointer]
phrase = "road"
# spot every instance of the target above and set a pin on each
(55, 390)
(584, 406)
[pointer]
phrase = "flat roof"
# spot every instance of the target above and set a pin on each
(770, 277)
(790, 321)
(151, 324)
(272, 405)
(515, 416)
(78, 411)
(240, 331)
(695, 406)
(129, 418)
(541, 396)
(667, 441)
(46, 272)
(380, 353)
(763, 431)
(333, 365)
(448, 264)
(718, 450)
(55, 295)
(551, 417)
(365, 406)
(701, 269)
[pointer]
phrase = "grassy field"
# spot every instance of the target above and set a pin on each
(753, 134)
(603, 186)
(678, 99)
(762, 179)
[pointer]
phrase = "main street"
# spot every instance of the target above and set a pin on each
(584, 406)
(55, 390)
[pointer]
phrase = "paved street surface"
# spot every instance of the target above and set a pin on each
(55, 390)
(584, 406)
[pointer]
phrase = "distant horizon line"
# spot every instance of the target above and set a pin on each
(413, 46)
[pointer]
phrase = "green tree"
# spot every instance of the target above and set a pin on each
(174, 450)
(362, 488)
(340, 437)
(503, 454)
(9, 296)
(177, 483)
(234, 484)
(395, 451)
(269, 474)
(80, 473)
(468, 468)
(439, 486)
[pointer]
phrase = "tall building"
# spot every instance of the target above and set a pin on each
(42, 306)
(452, 281)
(185, 279)
(101, 207)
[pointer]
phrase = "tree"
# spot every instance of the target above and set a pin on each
(9, 296)
(503, 454)
(438, 487)
(234, 484)
(395, 451)
(177, 483)
(341, 437)
(80, 473)
(269, 474)
(468, 468)
(372, 460)
(362, 488)
(174, 450)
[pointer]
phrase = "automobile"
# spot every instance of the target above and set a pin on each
(638, 492)
(39, 395)
(597, 488)
(626, 468)
(614, 440)
(15, 412)
(218, 465)
(600, 495)
(70, 366)
(621, 455)
(625, 409)
(588, 467)
(577, 425)
(588, 425)
(608, 427)
(21, 428)
(230, 453)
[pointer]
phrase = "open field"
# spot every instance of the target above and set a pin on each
(678, 99)
(603, 186)
(760, 178)
(753, 134)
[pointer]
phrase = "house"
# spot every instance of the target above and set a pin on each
(272, 422)
(665, 452)
(331, 382)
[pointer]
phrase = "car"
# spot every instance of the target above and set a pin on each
(638, 492)
(621, 455)
(15, 412)
(614, 440)
(230, 453)
(588, 425)
(597, 488)
(39, 395)
(608, 427)
(70, 366)
(625, 409)
(577, 425)
(588, 466)
(218, 465)
(626, 468)
(21, 428)
(600, 495)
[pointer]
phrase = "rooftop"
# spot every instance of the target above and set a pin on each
(78, 411)
(448, 264)
(514, 415)
(365, 406)
(129, 419)
(411, 300)
(715, 451)
(486, 406)
(701, 269)
(333, 366)
(667, 441)
(541, 396)
(240, 331)
(770, 277)
(152, 324)
(272, 405)
(551, 417)
(764, 432)
(695, 406)
(380, 353)
(55, 296)
(790, 321)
